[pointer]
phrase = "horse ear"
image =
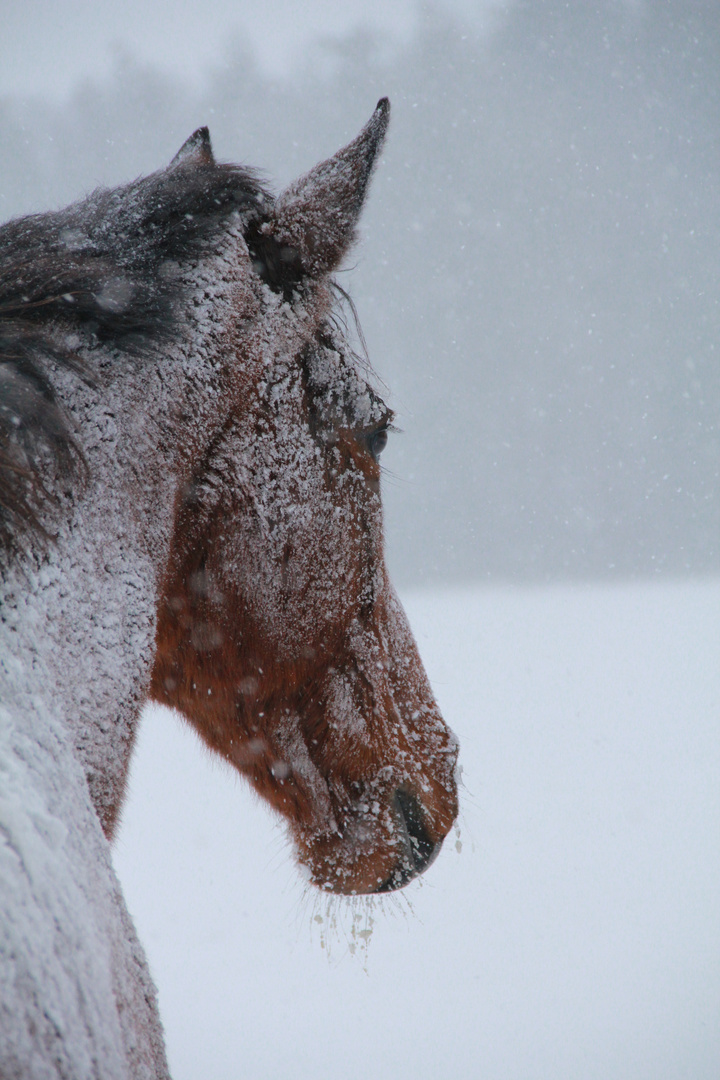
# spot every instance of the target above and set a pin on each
(197, 150)
(314, 220)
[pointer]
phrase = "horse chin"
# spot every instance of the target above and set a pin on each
(379, 848)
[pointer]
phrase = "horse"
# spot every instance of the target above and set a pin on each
(190, 512)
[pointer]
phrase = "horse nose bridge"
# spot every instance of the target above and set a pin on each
(401, 671)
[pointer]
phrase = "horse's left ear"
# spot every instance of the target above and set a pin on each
(314, 220)
(197, 150)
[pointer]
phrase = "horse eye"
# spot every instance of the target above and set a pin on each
(377, 441)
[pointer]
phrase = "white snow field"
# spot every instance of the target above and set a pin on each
(575, 936)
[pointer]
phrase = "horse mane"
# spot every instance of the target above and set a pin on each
(108, 268)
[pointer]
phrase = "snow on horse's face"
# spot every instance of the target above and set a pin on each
(279, 635)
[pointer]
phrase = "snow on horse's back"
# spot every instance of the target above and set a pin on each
(190, 511)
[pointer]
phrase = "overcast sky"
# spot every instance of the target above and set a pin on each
(47, 46)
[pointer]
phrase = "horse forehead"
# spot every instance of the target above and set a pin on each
(337, 384)
(316, 389)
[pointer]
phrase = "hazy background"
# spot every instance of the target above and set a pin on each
(538, 281)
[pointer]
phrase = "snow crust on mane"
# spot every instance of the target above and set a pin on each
(77, 620)
(86, 1023)
(106, 270)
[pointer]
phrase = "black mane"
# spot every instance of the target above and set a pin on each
(108, 268)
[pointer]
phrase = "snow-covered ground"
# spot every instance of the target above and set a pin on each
(575, 935)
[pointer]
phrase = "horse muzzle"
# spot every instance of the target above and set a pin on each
(379, 845)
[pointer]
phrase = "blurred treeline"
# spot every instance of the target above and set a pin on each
(538, 278)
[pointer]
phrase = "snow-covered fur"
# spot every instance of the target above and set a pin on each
(112, 369)
(135, 328)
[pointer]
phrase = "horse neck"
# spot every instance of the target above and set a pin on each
(81, 616)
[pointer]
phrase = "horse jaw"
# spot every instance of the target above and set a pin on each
(339, 734)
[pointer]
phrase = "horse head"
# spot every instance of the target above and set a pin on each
(279, 635)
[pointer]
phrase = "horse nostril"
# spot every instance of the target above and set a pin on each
(421, 849)
(421, 846)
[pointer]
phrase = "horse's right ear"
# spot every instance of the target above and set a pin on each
(314, 221)
(197, 150)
